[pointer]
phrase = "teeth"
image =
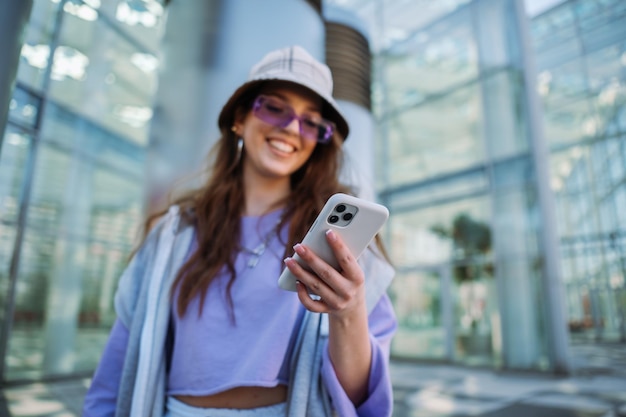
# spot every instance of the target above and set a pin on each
(282, 146)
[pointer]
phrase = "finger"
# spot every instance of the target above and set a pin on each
(347, 262)
(321, 270)
(310, 280)
(315, 305)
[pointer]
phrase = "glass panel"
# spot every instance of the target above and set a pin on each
(437, 137)
(570, 123)
(476, 314)
(23, 108)
(554, 27)
(590, 193)
(416, 297)
(13, 159)
(402, 18)
(82, 222)
(101, 75)
(608, 88)
(563, 84)
(423, 243)
(431, 61)
(429, 193)
(140, 19)
(425, 236)
(36, 49)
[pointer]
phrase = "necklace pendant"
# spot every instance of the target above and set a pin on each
(253, 261)
(256, 254)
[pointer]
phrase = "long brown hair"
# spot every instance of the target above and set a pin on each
(215, 209)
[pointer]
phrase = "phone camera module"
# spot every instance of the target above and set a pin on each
(333, 219)
(340, 208)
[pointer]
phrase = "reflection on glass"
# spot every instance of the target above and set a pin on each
(13, 158)
(36, 48)
(473, 275)
(591, 197)
(431, 61)
(82, 222)
(446, 243)
(416, 297)
(440, 136)
(145, 13)
(82, 11)
(87, 191)
(23, 108)
(101, 75)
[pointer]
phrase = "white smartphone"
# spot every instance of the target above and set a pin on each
(356, 220)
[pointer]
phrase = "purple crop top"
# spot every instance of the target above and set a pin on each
(211, 352)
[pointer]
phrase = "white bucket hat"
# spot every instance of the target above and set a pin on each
(292, 64)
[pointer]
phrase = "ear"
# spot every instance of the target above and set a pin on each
(237, 128)
(238, 124)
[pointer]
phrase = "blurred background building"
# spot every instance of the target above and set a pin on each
(494, 130)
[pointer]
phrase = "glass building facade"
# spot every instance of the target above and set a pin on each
(581, 61)
(499, 241)
(72, 178)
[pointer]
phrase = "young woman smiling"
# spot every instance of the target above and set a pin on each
(203, 328)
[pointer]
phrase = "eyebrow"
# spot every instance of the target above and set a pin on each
(284, 98)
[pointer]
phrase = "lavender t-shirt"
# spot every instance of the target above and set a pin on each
(223, 348)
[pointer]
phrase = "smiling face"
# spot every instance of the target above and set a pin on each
(273, 152)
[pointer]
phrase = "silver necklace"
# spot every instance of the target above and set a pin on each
(259, 250)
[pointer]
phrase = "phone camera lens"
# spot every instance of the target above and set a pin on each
(340, 208)
(347, 216)
(333, 219)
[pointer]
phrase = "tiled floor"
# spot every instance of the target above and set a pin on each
(596, 389)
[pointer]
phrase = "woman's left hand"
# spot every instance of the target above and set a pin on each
(342, 291)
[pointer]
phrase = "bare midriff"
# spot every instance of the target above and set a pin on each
(240, 398)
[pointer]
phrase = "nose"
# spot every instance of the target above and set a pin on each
(293, 126)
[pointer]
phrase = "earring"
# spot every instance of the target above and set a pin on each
(239, 149)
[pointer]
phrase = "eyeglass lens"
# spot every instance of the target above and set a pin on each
(278, 113)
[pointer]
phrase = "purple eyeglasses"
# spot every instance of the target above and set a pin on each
(278, 113)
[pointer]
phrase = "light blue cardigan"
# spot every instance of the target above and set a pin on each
(142, 303)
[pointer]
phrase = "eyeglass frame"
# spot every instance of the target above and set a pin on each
(328, 127)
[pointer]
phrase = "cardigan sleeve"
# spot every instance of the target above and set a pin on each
(101, 398)
(379, 401)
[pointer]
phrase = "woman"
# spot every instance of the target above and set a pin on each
(202, 328)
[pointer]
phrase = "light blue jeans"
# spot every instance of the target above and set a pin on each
(175, 408)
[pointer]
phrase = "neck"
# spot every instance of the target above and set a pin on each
(264, 194)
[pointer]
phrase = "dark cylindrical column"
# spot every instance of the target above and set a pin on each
(349, 58)
(316, 4)
(13, 19)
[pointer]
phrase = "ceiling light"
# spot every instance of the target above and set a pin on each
(134, 116)
(82, 11)
(145, 13)
(145, 62)
(69, 62)
(36, 55)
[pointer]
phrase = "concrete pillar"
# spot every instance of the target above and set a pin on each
(508, 85)
(552, 278)
(13, 19)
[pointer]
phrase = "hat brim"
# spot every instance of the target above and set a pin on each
(331, 110)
